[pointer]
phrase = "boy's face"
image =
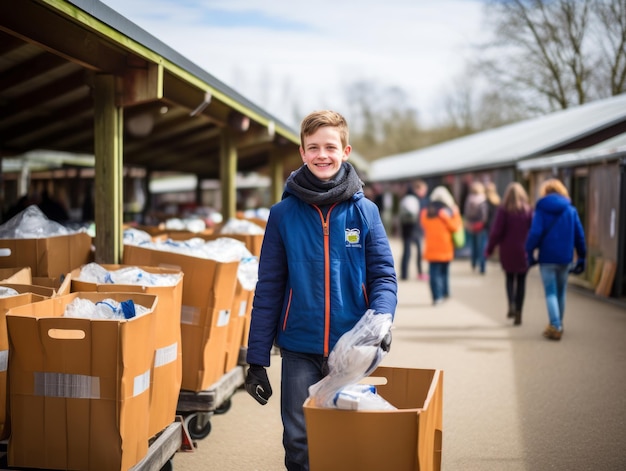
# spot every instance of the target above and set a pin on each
(322, 152)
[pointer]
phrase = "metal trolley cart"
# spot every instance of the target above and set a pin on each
(163, 447)
(197, 408)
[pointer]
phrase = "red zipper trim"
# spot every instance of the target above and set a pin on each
(287, 310)
(326, 231)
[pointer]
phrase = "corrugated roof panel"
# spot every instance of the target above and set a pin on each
(502, 146)
(611, 149)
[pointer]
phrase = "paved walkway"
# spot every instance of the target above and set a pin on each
(513, 400)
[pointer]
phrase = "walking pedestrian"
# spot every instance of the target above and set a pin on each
(475, 214)
(324, 262)
(509, 232)
(410, 227)
(555, 231)
(439, 220)
(493, 202)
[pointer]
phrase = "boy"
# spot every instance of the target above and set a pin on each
(325, 260)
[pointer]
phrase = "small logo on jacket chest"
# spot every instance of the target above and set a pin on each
(353, 238)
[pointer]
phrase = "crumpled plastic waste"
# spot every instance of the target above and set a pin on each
(32, 223)
(223, 249)
(258, 213)
(241, 226)
(6, 292)
(134, 236)
(355, 356)
(360, 397)
(105, 309)
(186, 224)
(96, 273)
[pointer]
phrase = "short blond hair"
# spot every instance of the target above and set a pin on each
(553, 185)
(318, 119)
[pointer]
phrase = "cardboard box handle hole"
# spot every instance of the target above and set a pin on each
(66, 334)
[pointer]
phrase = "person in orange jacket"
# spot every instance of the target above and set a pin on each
(439, 220)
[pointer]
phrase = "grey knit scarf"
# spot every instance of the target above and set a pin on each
(312, 190)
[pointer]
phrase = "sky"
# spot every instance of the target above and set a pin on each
(280, 54)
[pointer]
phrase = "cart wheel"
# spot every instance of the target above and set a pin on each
(223, 407)
(168, 466)
(198, 426)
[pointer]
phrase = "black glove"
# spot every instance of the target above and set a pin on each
(257, 384)
(385, 345)
(579, 267)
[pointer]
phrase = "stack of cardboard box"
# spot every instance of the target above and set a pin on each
(166, 373)
(207, 298)
(79, 389)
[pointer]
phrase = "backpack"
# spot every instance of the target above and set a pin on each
(409, 209)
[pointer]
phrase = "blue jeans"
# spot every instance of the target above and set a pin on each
(408, 241)
(299, 371)
(554, 277)
(477, 242)
(439, 275)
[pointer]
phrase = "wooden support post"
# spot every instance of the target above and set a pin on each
(277, 169)
(228, 174)
(108, 149)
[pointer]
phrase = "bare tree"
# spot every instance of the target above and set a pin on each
(610, 32)
(471, 105)
(382, 121)
(553, 54)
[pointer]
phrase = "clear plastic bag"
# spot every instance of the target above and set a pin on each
(355, 355)
(6, 292)
(95, 273)
(31, 223)
(360, 397)
(105, 309)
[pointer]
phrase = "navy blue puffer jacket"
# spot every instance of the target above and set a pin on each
(319, 272)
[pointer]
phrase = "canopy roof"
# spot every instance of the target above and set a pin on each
(174, 112)
(570, 129)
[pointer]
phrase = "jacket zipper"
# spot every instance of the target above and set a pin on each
(326, 231)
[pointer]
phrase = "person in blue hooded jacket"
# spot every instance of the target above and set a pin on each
(325, 260)
(555, 231)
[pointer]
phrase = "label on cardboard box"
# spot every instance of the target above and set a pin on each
(141, 383)
(242, 308)
(189, 315)
(67, 385)
(4, 360)
(223, 317)
(166, 355)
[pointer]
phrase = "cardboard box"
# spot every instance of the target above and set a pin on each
(80, 387)
(208, 292)
(21, 275)
(61, 284)
(27, 296)
(167, 368)
(407, 439)
(48, 257)
(239, 315)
